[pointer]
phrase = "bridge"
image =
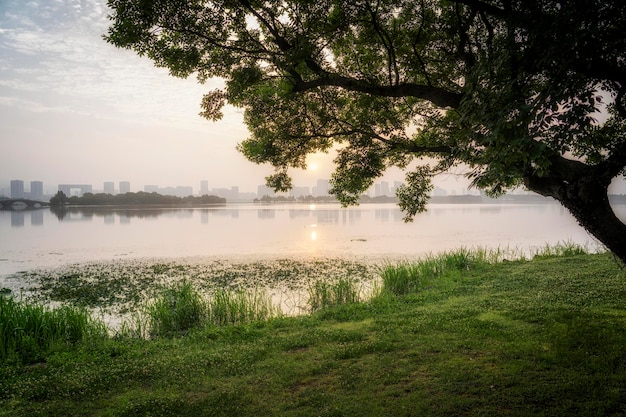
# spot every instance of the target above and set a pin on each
(21, 204)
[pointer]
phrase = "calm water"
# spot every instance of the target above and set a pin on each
(36, 239)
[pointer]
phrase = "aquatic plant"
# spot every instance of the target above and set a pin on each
(28, 331)
(123, 287)
(566, 248)
(238, 307)
(177, 309)
(407, 277)
(323, 293)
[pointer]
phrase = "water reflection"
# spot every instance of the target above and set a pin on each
(321, 215)
(266, 213)
(280, 230)
(36, 218)
(17, 218)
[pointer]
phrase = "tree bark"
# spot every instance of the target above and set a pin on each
(583, 190)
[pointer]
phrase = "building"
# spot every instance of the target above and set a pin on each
(67, 189)
(321, 189)
(384, 188)
(204, 187)
(17, 189)
(183, 191)
(300, 192)
(264, 190)
(230, 194)
(124, 187)
(36, 190)
(109, 187)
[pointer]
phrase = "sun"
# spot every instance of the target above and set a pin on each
(312, 166)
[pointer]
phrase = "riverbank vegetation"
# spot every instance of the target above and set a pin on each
(469, 332)
(131, 199)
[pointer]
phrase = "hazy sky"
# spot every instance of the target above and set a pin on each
(74, 109)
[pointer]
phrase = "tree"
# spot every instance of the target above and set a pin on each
(59, 199)
(517, 92)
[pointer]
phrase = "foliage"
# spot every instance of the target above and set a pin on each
(59, 199)
(140, 198)
(513, 93)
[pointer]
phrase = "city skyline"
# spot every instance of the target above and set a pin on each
(321, 188)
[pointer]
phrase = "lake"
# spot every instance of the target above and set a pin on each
(40, 239)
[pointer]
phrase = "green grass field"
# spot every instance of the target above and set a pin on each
(464, 336)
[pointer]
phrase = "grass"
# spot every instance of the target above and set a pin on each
(540, 337)
(228, 307)
(408, 277)
(177, 309)
(181, 307)
(29, 332)
(325, 294)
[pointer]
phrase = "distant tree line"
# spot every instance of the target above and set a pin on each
(134, 199)
(322, 199)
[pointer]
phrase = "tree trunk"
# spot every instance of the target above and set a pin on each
(583, 190)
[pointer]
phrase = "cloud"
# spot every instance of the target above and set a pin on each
(56, 49)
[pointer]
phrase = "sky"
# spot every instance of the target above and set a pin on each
(76, 110)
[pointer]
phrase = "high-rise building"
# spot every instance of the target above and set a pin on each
(204, 187)
(17, 189)
(299, 192)
(321, 189)
(264, 190)
(124, 187)
(109, 187)
(384, 188)
(183, 191)
(36, 190)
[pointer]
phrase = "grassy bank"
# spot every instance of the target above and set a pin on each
(456, 335)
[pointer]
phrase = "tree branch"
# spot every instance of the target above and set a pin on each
(438, 96)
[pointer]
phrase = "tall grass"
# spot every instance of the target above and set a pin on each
(27, 331)
(407, 277)
(177, 309)
(181, 308)
(237, 307)
(561, 249)
(324, 294)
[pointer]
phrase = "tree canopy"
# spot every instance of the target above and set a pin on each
(517, 92)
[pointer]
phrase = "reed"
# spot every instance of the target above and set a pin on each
(323, 294)
(561, 249)
(28, 331)
(407, 277)
(237, 307)
(181, 308)
(177, 309)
